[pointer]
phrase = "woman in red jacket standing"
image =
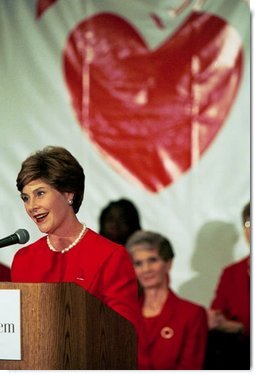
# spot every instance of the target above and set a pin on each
(51, 185)
(229, 313)
(175, 329)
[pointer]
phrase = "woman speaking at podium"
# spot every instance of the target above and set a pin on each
(51, 183)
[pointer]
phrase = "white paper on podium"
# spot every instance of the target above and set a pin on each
(10, 331)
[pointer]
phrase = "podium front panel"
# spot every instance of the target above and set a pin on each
(63, 327)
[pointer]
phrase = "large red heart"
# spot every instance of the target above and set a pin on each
(152, 113)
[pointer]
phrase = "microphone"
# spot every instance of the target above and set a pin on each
(20, 236)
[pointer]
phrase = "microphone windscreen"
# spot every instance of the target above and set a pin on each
(22, 235)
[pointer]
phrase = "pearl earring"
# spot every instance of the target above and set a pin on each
(70, 202)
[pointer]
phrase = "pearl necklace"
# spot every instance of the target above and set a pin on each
(71, 245)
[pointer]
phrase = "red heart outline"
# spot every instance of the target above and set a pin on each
(152, 113)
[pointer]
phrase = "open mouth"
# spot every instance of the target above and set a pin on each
(40, 217)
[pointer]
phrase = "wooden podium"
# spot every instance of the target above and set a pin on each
(63, 327)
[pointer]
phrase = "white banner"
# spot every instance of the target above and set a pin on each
(153, 98)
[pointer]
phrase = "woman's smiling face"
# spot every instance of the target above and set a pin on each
(46, 206)
(150, 268)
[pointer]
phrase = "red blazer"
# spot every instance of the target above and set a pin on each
(232, 295)
(5, 273)
(100, 266)
(177, 337)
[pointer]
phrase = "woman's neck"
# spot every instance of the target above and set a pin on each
(154, 300)
(67, 235)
